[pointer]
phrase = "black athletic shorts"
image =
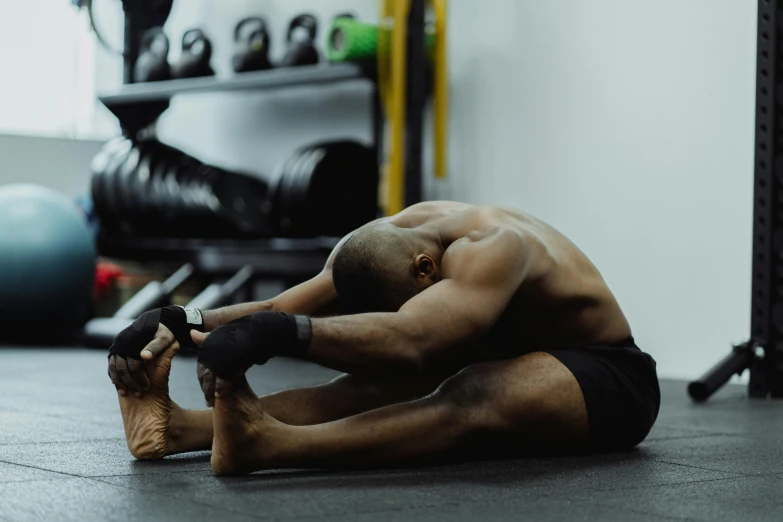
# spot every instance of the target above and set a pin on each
(620, 387)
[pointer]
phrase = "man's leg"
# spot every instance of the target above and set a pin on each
(155, 426)
(517, 405)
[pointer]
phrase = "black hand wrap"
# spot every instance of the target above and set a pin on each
(131, 341)
(255, 339)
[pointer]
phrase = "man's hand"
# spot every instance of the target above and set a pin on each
(206, 377)
(127, 373)
(240, 344)
(150, 335)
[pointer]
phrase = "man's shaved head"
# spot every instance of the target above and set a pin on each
(374, 270)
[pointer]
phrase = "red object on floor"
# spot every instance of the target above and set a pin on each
(106, 274)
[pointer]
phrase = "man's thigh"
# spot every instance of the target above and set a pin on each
(532, 404)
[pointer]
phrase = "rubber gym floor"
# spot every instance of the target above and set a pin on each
(63, 457)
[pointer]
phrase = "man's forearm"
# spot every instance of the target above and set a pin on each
(215, 318)
(365, 344)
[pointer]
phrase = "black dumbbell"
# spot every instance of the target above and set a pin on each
(301, 42)
(251, 38)
(196, 54)
(152, 64)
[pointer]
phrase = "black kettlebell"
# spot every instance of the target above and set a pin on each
(152, 64)
(251, 38)
(196, 54)
(301, 42)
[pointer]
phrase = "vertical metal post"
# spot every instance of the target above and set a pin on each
(767, 287)
(378, 136)
(134, 28)
(415, 101)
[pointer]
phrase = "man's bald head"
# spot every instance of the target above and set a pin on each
(375, 270)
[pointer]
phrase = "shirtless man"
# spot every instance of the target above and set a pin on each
(468, 332)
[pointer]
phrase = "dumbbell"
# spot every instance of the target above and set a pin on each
(196, 54)
(152, 64)
(251, 38)
(301, 42)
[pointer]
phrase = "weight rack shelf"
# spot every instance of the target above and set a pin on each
(138, 104)
(273, 257)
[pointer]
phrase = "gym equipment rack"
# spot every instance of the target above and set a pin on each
(138, 105)
(763, 353)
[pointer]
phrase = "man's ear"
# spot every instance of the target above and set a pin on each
(426, 268)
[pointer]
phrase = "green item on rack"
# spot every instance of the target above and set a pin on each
(354, 41)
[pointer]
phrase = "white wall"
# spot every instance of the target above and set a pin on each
(47, 68)
(58, 163)
(627, 124)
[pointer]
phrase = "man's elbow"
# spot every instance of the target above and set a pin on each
(412, 349)
(411, 361)
(416, 356)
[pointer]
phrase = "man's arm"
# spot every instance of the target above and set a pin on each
(436, 326)
(315, 297)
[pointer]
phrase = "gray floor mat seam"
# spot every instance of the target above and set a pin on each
(41, 469)
(80, 441)
(690, 466)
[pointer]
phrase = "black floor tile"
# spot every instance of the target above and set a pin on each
(80, 500)
(738, 454)
(744, 498)
(63, 457)
(97, 458)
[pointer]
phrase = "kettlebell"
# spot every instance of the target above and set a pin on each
(251, 39)
(301, 42)
(196, 54)
(152, 64)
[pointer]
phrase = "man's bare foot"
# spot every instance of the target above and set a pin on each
(244, 434)
(150, 420)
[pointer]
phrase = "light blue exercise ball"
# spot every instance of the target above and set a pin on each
(47, 261)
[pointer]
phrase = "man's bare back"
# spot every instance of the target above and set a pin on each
(563, 302)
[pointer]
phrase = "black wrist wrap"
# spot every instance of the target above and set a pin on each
(131, 341)
(255, 339)
(181, 321)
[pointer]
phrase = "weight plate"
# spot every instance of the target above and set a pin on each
(109, 197)
(123, 181)
(98, 166)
